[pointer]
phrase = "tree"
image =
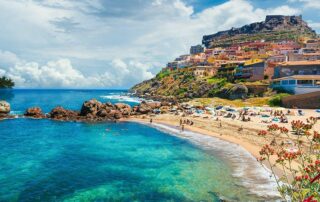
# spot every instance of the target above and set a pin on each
(6, 82)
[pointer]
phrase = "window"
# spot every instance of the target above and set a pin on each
(276, 83)
(285, 82)
(292, 82)
(305, 82)
(317, 82)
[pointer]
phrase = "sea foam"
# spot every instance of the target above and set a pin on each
(122, 98)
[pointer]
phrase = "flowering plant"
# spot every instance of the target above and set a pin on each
(297, 154)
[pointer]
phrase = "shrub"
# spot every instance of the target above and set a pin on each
(301, 182)
(276, 100)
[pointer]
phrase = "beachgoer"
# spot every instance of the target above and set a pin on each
(150, 121)
(182, 128)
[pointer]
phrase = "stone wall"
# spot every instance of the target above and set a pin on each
(303, 101)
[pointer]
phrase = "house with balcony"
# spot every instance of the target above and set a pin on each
(298, 84)
(252, 70)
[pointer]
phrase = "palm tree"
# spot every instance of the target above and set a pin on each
(6, 82)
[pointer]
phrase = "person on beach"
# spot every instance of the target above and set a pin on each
(182, 128)
(180, 122)
(151, 121)
(240, 129)
(220, 124)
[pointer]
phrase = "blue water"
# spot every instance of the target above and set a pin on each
(21, 99)
(44, 160)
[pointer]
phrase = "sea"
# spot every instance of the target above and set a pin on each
(45, 160)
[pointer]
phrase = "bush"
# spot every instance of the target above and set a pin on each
(163, 74)
(276, 100)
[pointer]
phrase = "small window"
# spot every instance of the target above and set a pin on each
(285, 82)
(305, 82)
(292, 82)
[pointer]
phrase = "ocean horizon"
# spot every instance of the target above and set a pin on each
(46, 160)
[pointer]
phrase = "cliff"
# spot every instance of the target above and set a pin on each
(275, 27)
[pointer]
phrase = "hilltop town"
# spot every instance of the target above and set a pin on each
(279, 55)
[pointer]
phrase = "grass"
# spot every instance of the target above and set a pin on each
(259, 101)
(214, 80)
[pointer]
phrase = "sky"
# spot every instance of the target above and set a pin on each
(117, 43)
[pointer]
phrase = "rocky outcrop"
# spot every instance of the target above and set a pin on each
(92, 111)
(272, 24)
(238, 91)
(59, 113)
(34, 112)
(4, 108)
(90, 107)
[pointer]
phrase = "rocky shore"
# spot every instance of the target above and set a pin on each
(91, 111)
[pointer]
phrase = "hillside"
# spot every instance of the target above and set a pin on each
(183, 85)
(274, 28)
(202, 74)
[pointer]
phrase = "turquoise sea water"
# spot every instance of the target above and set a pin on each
(43, 160)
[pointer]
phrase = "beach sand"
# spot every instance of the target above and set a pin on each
(235, 131)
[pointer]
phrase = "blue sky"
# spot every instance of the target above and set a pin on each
(115, 44)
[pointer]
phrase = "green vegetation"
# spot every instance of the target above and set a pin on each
(276, 100)
(6, 82)
(258, 101)
(215, 80)
(163, 74)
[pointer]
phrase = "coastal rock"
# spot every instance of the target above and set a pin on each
(4, 107)
(34, 112)
(144, 108)
(59, 113)
(238, 92)
(102, 113)
(154, 105)
(118, 115)
(90, 107)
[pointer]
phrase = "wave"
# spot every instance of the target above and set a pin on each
(251, 174)
(122, 98)
(16, 113)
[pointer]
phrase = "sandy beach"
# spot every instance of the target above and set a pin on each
(235, 131)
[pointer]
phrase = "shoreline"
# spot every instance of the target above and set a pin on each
(249, 147)
(250, 173)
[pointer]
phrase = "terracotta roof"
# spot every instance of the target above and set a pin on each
(304, 62)
(299, 77)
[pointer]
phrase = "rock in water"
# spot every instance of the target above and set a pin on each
(34, 112)
(59, 113)
(4, 107)
(90, 107)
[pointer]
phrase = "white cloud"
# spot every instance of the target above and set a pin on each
(61, 73)
(314, 4)
(8, 58)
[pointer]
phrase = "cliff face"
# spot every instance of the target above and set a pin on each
(275, 27)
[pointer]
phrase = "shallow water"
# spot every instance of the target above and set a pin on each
(44, 160)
